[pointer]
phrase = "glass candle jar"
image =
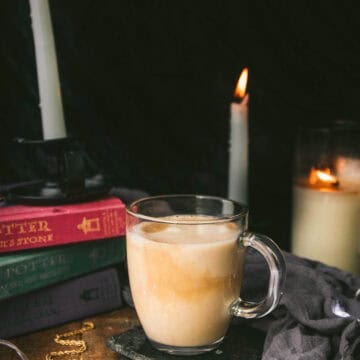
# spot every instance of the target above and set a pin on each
(326, 195)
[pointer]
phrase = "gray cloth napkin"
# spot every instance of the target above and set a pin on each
(318, 316)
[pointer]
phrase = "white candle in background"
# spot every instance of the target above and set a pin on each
(52, 116)
(239, 141)
(326, 223)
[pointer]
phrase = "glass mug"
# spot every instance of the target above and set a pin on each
(185, 258)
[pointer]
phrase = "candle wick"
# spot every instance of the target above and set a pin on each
(241, 100)
(323, 185)
(237, 100)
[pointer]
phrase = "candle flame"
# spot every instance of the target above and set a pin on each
(322, 178)
(240, 90)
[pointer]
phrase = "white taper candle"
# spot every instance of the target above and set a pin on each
(52, 115)
(238, 152)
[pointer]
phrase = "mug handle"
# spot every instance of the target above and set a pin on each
(275, 260)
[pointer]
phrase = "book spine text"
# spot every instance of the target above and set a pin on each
(32, 270)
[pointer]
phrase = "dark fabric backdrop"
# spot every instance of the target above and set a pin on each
(147, 86)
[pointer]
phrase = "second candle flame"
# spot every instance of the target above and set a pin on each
(240, 90)
(323, 178)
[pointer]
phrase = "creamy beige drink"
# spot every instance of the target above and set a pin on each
(183, 278)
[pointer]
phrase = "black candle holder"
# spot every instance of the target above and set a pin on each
(62, 171)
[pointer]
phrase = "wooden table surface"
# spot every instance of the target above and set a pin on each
(36, 345)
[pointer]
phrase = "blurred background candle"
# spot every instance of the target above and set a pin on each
(326, 196)
(52, 116)
(348, 171)
(239, 140)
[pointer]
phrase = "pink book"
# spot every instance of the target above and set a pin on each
(28, 227)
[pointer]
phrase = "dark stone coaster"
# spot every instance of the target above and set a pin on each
(240, 343)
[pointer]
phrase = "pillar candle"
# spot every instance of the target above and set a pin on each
(326, 224)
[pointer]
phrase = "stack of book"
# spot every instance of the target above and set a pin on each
(59, 263)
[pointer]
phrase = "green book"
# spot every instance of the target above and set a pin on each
(24, 271)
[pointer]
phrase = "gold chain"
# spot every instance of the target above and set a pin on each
(80, 344)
